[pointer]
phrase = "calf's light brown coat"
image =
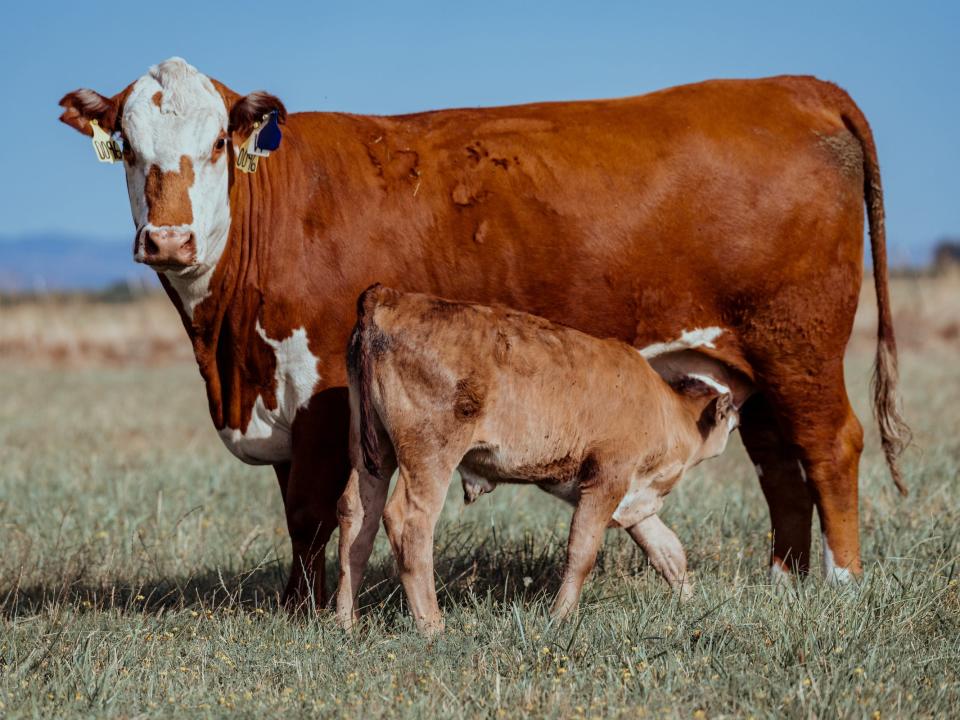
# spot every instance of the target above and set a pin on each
(510, 397)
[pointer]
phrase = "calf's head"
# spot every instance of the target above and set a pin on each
(716, 414)
(177, 126)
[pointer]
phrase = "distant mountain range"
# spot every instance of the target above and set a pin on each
(42, 262)
(59, 261)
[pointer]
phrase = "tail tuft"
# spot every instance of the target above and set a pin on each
(895, 434)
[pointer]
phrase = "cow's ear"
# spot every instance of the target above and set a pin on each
(251, 108)
(82, 106)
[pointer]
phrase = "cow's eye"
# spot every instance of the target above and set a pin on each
(219, 144)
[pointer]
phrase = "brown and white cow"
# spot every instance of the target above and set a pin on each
(507, 397)
(725, 216)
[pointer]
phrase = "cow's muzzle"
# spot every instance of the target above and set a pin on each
(165, 248)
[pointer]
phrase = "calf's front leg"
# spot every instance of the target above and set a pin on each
(665, 552)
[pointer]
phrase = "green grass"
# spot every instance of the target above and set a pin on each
(140, 566)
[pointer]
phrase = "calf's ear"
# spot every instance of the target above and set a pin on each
(715, 406)
(248, 109)
(725, 409)
(692, 387)
(82, 106)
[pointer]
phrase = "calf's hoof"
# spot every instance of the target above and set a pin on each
(563, 609)
(430, 627)
(346, 619)
(685, 588)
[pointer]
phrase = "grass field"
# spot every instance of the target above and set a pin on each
(140, 564)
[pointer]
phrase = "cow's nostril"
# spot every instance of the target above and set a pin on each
(168, 248)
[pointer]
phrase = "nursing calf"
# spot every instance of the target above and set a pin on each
(508, 397)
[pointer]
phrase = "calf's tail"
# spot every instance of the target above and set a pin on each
(366, 342)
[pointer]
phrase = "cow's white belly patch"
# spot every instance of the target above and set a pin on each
(266, 439)
(688, 340)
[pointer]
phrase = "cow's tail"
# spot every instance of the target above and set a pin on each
(894, 433)
(364, 343)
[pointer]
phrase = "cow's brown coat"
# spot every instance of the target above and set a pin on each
(721, 204)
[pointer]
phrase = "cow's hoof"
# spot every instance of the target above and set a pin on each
(779, 575)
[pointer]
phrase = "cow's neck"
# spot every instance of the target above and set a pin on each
(220, 306)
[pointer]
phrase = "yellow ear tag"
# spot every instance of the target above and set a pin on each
(107, 149)
(246, 158)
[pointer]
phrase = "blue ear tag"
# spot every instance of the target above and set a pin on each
(268, 136)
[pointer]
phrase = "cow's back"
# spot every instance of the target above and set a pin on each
(634, 218)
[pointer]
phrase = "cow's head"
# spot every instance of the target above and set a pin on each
(176, 126)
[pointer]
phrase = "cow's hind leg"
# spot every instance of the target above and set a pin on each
(817, 419)
(784, 483)
(410, 518)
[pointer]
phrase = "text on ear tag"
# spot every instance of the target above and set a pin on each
(246, 160)
(107, 149)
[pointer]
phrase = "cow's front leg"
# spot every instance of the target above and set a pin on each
(318, 473)
(665, 552)
(309, 534)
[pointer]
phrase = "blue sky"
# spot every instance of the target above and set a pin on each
(900, 62)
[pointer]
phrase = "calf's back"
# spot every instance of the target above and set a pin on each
(532, 400)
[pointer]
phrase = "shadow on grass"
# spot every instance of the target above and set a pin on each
(522, 570)
(471, 567)
(210, 589)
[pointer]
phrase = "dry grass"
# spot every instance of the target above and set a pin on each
(926, 313)
(140, 565)
(83, 331)
(75, 331)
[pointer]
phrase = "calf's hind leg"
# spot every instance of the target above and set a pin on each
(410, 519)
(359, 511)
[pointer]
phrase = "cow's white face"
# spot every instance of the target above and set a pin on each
(174, 127)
